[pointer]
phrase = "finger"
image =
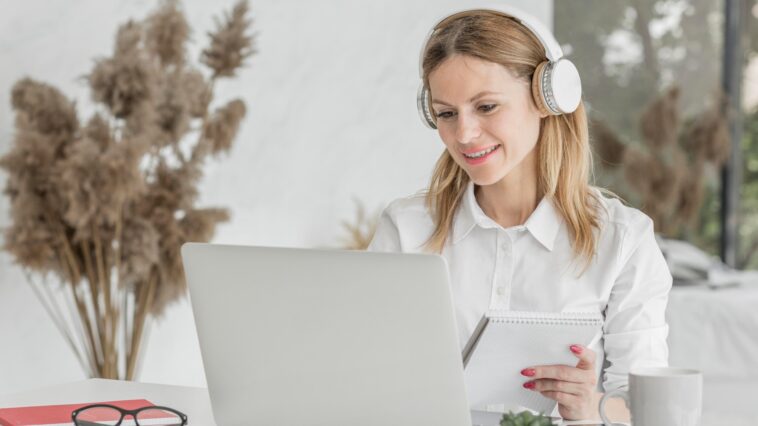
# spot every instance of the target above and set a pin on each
(586, 357)
(557, 372)
(550, 385)
(562, 398)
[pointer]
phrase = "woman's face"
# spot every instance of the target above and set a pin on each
(485, 116)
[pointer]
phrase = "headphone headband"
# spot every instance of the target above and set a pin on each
(553, 50)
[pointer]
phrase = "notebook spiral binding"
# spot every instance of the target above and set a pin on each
(543, 318)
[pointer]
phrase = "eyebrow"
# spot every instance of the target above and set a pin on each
(477, 96)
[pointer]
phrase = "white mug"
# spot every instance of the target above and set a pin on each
(661, 397)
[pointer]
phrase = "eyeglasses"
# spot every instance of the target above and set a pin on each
(110, 415)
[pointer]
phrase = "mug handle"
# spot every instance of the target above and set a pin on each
(623, 393)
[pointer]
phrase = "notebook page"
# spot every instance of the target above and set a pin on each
(512, 341)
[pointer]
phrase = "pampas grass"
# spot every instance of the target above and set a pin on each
(222, 127)
(666, 170)
(105, 206)
(229, 44)
(361, 230)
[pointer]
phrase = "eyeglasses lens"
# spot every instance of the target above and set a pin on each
(156, 416)
(98, 416)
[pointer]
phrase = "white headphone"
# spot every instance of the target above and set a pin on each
(556, 86)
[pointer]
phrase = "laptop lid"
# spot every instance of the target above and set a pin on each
(326, 337)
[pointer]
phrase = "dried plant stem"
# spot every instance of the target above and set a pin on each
(143, 304)
(127, 333)
(209, 99)
(108, 345)
(101, 268)
(117, 250)
(67, 258)
(120, 309)
(76, 324)
(112, 344)
(75, 275)
(94, 293)
(51, 307)
(178, 152)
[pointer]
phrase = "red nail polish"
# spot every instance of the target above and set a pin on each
(528, 372)
(576, 349)
(529, 385)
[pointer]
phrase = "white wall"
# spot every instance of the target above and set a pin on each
(331, 115)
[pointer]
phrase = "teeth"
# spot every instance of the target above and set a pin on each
(481, 153)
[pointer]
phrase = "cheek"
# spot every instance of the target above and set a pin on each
(530, 133)
(532, 121)
(447, 135)
(518, 133)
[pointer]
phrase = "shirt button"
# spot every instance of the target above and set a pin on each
(500, 291)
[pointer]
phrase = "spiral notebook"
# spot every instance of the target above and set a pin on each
(505, 342)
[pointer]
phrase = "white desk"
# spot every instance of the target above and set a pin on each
(194, 402)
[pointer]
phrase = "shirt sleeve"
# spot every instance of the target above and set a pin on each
(387, 236)
(635, 327)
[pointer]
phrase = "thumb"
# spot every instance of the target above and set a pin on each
(586, 357)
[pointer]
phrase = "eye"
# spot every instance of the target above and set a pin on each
(445, 115)
(487, 108)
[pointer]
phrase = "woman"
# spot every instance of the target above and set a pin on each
(510, 208)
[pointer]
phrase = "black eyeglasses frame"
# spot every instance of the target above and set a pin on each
(125, 413)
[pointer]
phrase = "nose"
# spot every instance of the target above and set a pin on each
(467, 128)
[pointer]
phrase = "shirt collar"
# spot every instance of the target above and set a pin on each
(543, 223)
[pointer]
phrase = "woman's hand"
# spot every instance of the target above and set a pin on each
(574, 388)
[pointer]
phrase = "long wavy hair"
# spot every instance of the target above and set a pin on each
(564, 157)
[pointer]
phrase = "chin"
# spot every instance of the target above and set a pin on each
(486, 178)
(482, 179)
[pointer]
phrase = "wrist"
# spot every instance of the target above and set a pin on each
(595, 410)
(615, 409)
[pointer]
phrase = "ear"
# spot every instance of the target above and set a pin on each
(537, 104)
(541, 111)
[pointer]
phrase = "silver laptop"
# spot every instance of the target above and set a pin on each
(326, 337)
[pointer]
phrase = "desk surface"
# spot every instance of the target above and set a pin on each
(194, 402)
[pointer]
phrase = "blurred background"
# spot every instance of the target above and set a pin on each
(331, 135)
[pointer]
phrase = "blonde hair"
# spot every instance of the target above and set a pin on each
(564, 158)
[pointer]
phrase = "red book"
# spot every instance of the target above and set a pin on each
(60, 415)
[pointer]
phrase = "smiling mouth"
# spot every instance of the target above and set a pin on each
(482, 153)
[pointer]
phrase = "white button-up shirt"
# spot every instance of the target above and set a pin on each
(531, 267)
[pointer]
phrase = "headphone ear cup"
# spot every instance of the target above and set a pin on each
(538, 92)
(424, 109)
(565, 89)
(556, 87)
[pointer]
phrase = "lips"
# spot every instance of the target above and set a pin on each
(481, 153)
(475, 150)
(473, 161)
